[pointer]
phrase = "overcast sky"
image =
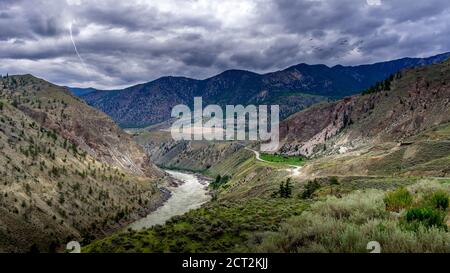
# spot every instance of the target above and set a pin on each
(120, 43)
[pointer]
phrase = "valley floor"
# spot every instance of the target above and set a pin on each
(323, 214)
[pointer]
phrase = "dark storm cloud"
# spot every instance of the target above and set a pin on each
(141, 17)
(126, 42)
(45, 26)
(282, 52)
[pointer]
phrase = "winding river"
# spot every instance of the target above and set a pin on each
(190, 194)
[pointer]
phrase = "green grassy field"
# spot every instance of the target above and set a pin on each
(291, 160)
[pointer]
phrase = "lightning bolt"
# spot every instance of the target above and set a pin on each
(75, 47)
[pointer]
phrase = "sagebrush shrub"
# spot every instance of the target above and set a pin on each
(347, 224)
(439, 200)
(398, 200)
(427, 216)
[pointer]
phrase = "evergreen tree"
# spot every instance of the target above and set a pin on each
(282, 190)
(285, 190)
(288, 188)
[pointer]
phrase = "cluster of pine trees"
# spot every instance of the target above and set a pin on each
(285, 190)
(382, 85)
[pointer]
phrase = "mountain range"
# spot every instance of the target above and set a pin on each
(294, 89)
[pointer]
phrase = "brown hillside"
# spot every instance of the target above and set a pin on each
(66, 170)
(418, 99)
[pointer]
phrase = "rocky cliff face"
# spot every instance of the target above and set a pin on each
(417, 100)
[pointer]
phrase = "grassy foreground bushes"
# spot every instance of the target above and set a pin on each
(347, 224)
(425, 216)
(439, 200)
(215, 228)
(409, 219)
(398, 200)
(429, 211)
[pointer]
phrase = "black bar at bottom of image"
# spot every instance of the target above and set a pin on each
(220, 262)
